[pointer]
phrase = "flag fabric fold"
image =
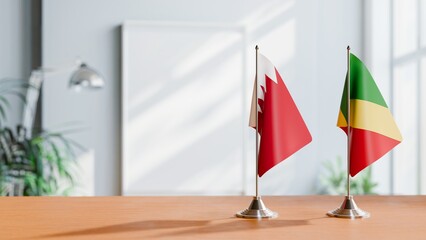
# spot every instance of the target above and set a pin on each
(281, 127)
(373, 129)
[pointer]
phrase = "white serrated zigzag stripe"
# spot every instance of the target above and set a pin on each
(265, 68)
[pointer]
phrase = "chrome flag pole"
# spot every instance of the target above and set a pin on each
(257, 123)
(257, 208)
(348, 209)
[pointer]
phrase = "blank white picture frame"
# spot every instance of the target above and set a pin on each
(183, 115)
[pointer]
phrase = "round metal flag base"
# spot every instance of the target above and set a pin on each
(348, 209)
(257, 209)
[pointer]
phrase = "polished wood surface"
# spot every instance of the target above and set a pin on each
(392, 217)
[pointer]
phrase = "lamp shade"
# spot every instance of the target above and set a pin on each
(86, 77)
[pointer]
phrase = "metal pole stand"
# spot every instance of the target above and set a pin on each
(257, 209)
(349, 209)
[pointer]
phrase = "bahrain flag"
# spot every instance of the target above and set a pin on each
(280, 126)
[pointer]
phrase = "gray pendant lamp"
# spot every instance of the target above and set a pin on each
(86, 77)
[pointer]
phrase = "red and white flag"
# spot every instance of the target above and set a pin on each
(281, 127)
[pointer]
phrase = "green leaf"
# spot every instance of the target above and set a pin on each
(30, 182)
(2, 113)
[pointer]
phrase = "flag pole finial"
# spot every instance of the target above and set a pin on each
(257, 47)
(348, 48)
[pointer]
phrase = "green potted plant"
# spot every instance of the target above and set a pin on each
(37, 165)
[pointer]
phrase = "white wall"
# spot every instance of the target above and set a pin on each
(305, 39)
(15, 47)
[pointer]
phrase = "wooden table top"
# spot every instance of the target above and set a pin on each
(300, 217)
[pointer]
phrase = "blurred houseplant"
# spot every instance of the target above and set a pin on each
(333, 181)
(35, 165)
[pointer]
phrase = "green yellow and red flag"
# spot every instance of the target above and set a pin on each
(373, 131)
